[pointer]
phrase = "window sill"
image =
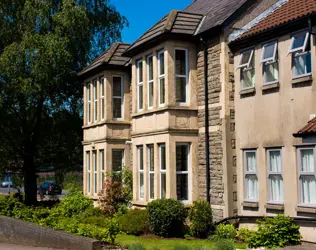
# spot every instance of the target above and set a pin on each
(302, 79)
(271, 86)
(305, 209)
(252, 204)
(274, 206)
(162, 109)
(105, 122)
(247, 91)
(139, 203)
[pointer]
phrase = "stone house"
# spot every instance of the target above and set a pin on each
(164, 107)
(275, 109)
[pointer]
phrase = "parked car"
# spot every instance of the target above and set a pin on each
(50, 188)
(6, 182)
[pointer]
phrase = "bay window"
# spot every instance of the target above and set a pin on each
(151, 171)
(95, 100)
(307, 175)
(161, 78)
(181, 79)
(275, 180)
(301, 54)
(163, 171)
(88, 172)
(140, 154)
(117, 96)
(270, 63)
(150, 75)
(182, 170)
(102, 98)
(247, 69)
(250, 175)
(140, 85)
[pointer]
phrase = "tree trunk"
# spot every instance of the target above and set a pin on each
(29, 174)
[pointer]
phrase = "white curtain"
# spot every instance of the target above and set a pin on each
(275, 161)
(251, 187)
(248, 78)
(276, 181)
(302, 64)
(307, 160)
(272, 72)
(251, 161)
(308, 189)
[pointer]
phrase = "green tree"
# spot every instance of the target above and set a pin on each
(43, 44)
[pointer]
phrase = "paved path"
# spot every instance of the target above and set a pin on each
(6, 246)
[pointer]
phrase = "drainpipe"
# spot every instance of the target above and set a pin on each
(206, 117)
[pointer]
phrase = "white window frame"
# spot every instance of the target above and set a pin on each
(89, 102)
(302, 48)
(88, 162)
(150, 146)
(95, 101)
(95, 169)
(272, 173)
(245, 65)
(162, 171)
(250, 173)
(140, 171)
(301, 173)
(161, 77)
(140, 84)
(102, 168)
(118, 97)
(269, 59)
(186, 76)
(186, 172)
(102, 100)
(150, 81)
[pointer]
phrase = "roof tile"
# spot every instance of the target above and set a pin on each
(309, 128)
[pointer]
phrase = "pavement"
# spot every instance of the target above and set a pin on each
(6, 191)
(8, 246)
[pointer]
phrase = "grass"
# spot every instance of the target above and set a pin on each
(165, 244)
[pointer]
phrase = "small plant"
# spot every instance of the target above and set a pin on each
(200, 215)
(244, 234)
(135, 222)
(136, 246)
(224, 232)
(166, 217)
(276, 232)
(224, 244)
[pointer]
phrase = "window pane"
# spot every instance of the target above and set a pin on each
(162, 157)
(95, 183)
(180, 67)
(102, 87)
(275, 161)
(245, 57)
(102, 160)
(163, 186)
(141, 185)
(151, 157)
(182, 153)
(152, 186)
(276, 188)
(251, 162)
(251, 186)
(182, 187)
(269, 51)
(298, 41)
(89, 182)
(271, 72)
(89, 92)
(88, 160)
(140, 71)
(248, 78)
(308, 189)
(161, 64)
(181, 89)
(302, 64)
(151, 94)
(102, 108)
(117, 86)
(117, 108)
(307, 160)
(141, 158)
(117, 160)
(162, 91)
(140, 97)
(150, 68)
(94, 161)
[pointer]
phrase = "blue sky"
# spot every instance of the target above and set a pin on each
(142, 14)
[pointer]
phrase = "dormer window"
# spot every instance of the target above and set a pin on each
(247, 70)
(181, 72)
(301, 54)
(270, 62)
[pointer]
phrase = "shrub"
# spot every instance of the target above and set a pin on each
(276, 232)
(200, 215)
(244, 234)
(136, 246)
(166, 217)
(135, 222)
(224, 244)
(225, 232)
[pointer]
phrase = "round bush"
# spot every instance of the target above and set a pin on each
(200, 215)
(228, 232)
(135, 222)
(166, 217)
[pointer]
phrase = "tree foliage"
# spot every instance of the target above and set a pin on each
(43, 45)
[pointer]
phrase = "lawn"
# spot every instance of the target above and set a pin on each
(165, 244)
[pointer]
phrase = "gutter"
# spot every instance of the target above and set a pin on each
(206, 120)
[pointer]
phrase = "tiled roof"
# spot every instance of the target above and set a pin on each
(112, 56)
(290, 11)
(309, 128)
(216, 12)
(177, 22)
